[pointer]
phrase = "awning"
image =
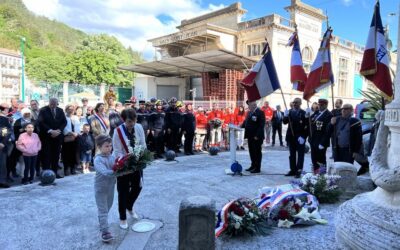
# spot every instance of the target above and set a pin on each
(193, 64)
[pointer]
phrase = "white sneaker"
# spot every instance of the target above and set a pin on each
(133, 214)
(123, 224)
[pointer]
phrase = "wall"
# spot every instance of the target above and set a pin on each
(146, 86)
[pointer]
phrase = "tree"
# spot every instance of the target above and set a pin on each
(51, 69)
(113, 51)
(92, 67)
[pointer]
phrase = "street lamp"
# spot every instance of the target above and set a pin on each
(22, 41)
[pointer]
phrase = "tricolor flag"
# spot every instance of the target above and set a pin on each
(321, 74)
(262, 79)
(297, 74)
(375, 62)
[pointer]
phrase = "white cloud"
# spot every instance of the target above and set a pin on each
(347, 2)
(133, 22)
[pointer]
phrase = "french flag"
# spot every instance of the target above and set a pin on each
(262, 79)
(375, 62)
(297, 74)
(321, 74)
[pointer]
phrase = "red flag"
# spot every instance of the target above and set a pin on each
(321, 75)
(375, 62)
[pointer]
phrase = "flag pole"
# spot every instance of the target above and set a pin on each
(332, 93)
(284, 103)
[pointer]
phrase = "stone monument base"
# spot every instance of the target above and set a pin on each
(362, 223)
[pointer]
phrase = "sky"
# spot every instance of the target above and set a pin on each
(133, 22)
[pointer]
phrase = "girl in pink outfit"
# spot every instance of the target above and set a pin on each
(29, 144)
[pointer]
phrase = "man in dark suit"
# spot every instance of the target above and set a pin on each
(277, 119)
(254, 132)
(296, 137)
(319, 123)
(188, 128)
(52, 122)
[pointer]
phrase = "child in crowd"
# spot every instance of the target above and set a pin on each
(29, 144)
(104, 183)
(86, 146)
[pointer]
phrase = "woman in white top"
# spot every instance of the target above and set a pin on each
(129, 186)
(69, 148)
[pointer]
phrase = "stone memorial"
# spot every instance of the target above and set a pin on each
(348, 174)
(372, 220)
(197, 223)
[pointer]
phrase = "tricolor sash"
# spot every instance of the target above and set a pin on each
(122, 137)
(102, 122)
(222, 219)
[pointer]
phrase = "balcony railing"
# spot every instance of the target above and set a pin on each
(266, 20)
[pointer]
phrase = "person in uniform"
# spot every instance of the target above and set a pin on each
(319, 123)
(254, 132)
(173, 126)
(188, 129)
(143, 119)
(296, 136)
(157, 129)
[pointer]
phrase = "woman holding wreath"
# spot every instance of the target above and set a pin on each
(125, 138)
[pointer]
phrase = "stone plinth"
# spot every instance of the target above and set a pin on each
(363, 223)
(197, 223)
(347, 172)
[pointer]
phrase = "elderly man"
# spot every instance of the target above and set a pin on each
(254, 132)
(296, 136)
(52, 122)
(346, 132)
(319, 123)
(34, 106)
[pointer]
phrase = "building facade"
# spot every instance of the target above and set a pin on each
(10, 74)
(224, 30)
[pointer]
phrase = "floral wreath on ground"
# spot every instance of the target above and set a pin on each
(282, 206)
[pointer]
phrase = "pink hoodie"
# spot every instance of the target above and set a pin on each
(29, 145)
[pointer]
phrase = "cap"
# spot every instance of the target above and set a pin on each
(153, 99)
(158, 102)
(128, 102)
(149, 104)
(323, 101)
(142, 102)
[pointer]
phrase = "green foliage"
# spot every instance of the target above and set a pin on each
(374, 97)
(50, 45)
(49, 68)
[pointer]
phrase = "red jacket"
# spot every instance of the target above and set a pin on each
(239, 119)
(268, 112)
(215, 114)
(201, 120)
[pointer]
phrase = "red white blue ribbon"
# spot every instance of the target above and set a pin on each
(102, 122)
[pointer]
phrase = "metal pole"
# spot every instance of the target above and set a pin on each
(22, 40)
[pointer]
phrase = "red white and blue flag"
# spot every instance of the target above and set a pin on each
(262, 79)
(297, 74)
(375, 62)
(321, 75)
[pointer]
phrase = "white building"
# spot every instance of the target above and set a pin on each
(10, 74)
(219, 41)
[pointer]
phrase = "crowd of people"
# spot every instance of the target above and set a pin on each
(172, 125)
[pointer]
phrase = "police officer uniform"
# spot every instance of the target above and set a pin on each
(157, 127)
(143, 118)
(173, 126)
(296, 135)
(319, 123)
